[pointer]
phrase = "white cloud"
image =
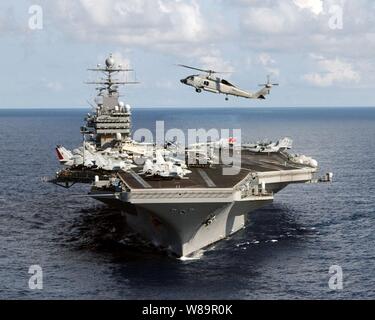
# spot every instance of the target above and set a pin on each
(275, 19)
(134, 22)
(315, 6)
(303, 26)
(332, 71)
(180, 27)
(173, 27)
(212, 59)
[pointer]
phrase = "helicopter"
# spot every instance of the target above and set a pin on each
(210, 83)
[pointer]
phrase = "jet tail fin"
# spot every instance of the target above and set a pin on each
(63, 154)
(285, 144)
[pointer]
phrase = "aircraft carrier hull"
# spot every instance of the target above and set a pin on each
(201, 224)
(183, 221)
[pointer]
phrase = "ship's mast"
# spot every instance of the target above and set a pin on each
(107, 83)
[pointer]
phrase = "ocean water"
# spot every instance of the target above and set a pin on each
(86, 250)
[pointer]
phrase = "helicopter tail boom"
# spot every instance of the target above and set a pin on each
(261, 94)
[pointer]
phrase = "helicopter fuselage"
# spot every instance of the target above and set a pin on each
(215, 85)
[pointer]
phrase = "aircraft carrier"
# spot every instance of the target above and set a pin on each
(179, 205)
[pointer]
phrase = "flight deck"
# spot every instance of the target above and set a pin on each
(212, 177)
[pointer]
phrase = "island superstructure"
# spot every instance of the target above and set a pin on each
(177, 204)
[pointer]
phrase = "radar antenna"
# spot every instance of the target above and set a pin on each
(108, 83)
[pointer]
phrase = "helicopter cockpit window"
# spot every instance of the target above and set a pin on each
(226, 83)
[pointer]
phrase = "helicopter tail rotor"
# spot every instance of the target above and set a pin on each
(269, 84)
(266, 89)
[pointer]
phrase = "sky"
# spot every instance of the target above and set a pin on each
(320, 51)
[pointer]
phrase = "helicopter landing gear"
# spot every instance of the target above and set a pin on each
(198, 90)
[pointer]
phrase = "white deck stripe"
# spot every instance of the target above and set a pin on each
(140, 180)
(206, 178)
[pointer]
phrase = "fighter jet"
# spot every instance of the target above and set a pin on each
(270, 147)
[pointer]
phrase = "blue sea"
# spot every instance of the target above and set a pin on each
(86, 251)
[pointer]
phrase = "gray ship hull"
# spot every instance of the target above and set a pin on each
(185, 221)
(200, 224)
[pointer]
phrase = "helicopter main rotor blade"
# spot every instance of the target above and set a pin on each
(202, 70)
(188, 67)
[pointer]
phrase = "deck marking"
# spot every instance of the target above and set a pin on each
(206, 178)
(263, 165)
(140, 180)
